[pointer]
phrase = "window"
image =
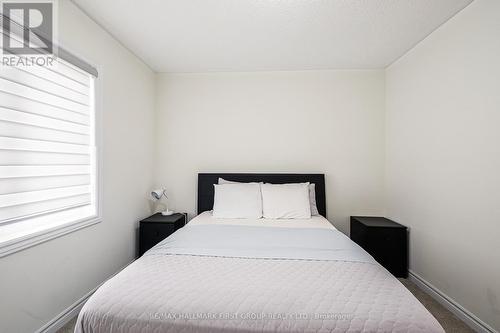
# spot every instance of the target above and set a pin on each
(48, 155)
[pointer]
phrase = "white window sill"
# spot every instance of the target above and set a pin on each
(21, 235)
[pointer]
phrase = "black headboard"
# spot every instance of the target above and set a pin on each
(206, 183)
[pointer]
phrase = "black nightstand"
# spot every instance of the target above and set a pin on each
(156, 228)
(385, 240)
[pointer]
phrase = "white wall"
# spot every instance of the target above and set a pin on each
(38, 283)
(330, 122)
(443, 157)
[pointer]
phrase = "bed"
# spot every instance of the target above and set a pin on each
(255, 275)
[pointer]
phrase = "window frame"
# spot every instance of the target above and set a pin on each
(30, 239)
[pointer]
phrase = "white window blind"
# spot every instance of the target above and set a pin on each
(47, 141)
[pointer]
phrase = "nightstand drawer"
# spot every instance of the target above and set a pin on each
(385, 240)
(388, 247)
(157, 232)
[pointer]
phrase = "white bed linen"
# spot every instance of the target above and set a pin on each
(314, 222)
(213, 277)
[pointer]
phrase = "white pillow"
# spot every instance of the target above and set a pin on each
(312, 200)
(237, 201)
(312, 194)
(223, 181)
(286, 201)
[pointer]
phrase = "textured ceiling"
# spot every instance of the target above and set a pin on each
(253, 35)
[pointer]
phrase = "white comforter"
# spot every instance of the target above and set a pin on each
(209, 277)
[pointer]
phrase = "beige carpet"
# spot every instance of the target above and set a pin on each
(448, 320)
(450, 323)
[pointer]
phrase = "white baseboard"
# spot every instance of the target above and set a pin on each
(64, 317)
(465, 315)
